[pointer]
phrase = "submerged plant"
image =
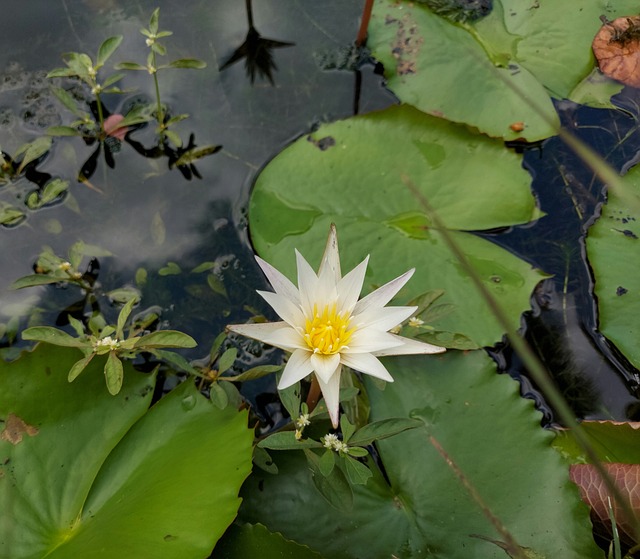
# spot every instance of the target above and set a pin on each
(326, 327)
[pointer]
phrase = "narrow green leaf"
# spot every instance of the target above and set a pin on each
(113, 78)
(124, 295)
(234, 396)
(216, 285)
(50, 335)
(171, 269)
(204, 267)
(66, 99)
(34, 280)
(52, 191)
(175, 359)
(286, 440)
(129, 66)
(33, 150)
(187, 63)
(357, 472)
(63, 131)
(383, 429)
(227, 360)
(215, 346)
(159, 49)
(113, 373)
(358, 452)
(107, 48)
(79, 366)
(166, 338)
(173, 137)
(290, 398)
(153, 21)
(62, 73)
(123, 316)
(254, 373)
(347, 428)
(10, 215)
(77, 325)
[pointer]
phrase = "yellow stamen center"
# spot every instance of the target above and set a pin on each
(327, 331)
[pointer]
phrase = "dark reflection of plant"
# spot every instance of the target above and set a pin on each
(257, 52)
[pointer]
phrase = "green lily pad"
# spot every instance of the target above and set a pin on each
(471, 181)
(613, 250)
(494, 438)
(494, 73)
(87, 474)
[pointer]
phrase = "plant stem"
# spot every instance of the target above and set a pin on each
(361, 39)
(159, 113)
(100, 114)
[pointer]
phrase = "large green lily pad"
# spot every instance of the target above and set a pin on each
(495, 439)
(351, 173)
(613, 249)
(87, 474)
(496, 72)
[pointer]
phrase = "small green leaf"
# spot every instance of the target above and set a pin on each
(79, 366)
(107, 48)
(173, 138)
(334, 488)
(227, 360)
(66, 99)
(171, 269)
(216, 285)
(166, 338)
(187, 63)
(129, 66)
(175, 359)
(33, 150)
(50, 335)
(77, 325)
(196, 153)
(34, 280)
(62, 73)
(263, 460)
(254, 373)
(204, 267)
(215, 346)
(124, 295)
(358, 452)
(327, 462)
(153, 21)
(218, 396)
(290, 398)
(113, 78)
(424, 300)
(347, 428)
(141, 277)
(113, 373)
(286, 440)
(159, 49)
(235, 398)
(383, 429)
(123, 316)
(451, 340)
(357, 472)
(10, 215)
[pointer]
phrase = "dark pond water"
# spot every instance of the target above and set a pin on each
(149, 216)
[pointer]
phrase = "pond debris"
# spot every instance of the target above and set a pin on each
(463, 11)
(616, 47)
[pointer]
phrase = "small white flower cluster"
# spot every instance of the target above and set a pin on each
(107, 341)
(301, 423)
(333, 442)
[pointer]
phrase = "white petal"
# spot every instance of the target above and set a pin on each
(331, 393)
(286, 309)
(367, 364)
(325, 365)
(256, 331)
(307, 284)
(409, 347)
(326, 292)
(381, 296)
(383, 318)
(281, 283)
(331, 257)
(298, 367)
(370, 340)
(277, 334)
(350, 287)
(287, 338)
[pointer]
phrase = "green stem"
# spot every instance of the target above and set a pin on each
(159, 113)
(100, 114)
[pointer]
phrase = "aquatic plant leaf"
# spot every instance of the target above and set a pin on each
(494, 437)
(50, 335)
(613, 250)
(514, 58)
(381, 430)
(350, 173)
(107, 48)
(612, 441)
(95, 474)
(166, 338)
(254, 540)
(187, 63)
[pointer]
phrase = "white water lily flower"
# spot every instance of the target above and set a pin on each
(325, 326)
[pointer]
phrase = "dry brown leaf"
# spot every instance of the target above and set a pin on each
(617, 49)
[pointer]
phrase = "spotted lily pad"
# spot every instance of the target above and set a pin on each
(358, 181)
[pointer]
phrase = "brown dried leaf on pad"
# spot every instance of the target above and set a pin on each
(595, 493)
(617, 49)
